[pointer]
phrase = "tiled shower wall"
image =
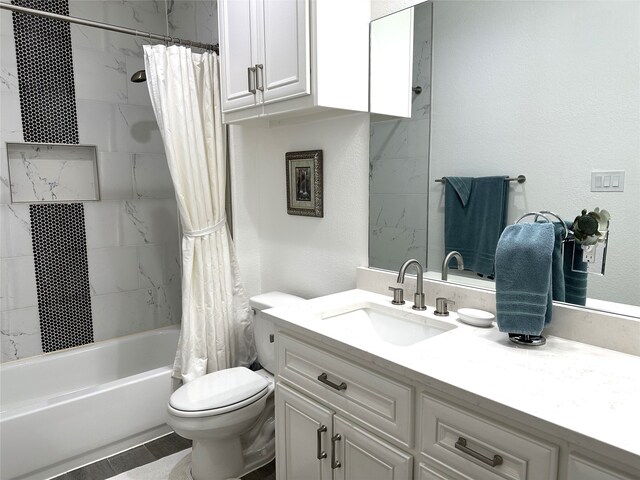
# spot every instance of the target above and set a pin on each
(132, 233)
(399, 150)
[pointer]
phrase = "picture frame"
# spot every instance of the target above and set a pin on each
(304, 183)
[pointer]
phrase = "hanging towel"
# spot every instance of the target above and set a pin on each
(557, 262)
(475, 211)
(575, 282)
(523, 278)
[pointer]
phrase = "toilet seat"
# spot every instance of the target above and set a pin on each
(219, 392)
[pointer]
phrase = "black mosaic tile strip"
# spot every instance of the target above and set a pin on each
(62, 275)
(45, 74)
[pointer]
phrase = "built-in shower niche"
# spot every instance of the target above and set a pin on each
(41, 172)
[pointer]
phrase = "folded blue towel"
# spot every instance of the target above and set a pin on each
(475, 211)
(575, 282)
(523, 278)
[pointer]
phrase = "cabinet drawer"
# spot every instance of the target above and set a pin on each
(583, 469)
(382, 404)
(481, 449)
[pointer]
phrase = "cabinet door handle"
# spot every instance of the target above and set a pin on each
(323, 378)
(319, 453)
(461, 445)
(335, 463)
(251, 74)
(260, 86)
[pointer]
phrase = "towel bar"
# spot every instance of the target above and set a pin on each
(519, 179)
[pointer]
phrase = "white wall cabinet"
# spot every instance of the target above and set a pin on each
(265, 51)
(315, 443)
(291, 57)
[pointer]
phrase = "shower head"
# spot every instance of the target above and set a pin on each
(139, 77)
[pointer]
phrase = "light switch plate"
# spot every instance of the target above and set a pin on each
(607, 181)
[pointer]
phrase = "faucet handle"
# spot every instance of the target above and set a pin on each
(398, 294)
(441, 306)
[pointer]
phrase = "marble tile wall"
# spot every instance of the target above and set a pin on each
(132, 233)
(399, 167)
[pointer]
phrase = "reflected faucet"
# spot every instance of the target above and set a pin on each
(418, 297)
(447, 259)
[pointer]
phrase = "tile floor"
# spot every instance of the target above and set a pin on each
(147, 453)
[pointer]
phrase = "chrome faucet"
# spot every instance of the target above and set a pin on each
(418, 297)
(447, 259)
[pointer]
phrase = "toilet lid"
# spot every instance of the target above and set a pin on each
(218, 390)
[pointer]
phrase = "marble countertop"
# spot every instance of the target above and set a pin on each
(588, 393)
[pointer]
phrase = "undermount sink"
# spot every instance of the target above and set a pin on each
(382, 324)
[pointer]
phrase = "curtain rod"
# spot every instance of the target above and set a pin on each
(519, 179)
(106, 26)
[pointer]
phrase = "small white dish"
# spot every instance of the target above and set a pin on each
(475, 317)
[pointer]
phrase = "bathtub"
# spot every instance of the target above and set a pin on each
(62, 410)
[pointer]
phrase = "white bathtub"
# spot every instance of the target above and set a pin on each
(62, 410)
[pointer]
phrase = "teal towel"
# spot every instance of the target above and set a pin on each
(475, 211)
(523, 278)
(575, 283)
(557, 264)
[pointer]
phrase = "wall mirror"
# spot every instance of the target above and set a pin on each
(549, 90)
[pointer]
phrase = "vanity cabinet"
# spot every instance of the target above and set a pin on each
(337, 419)
(583, 469)
(467, 445)
(315, 443)
(292, 57)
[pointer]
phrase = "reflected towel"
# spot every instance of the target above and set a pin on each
(523, 278)
(575, 282)
(475, 211)
(557, 262)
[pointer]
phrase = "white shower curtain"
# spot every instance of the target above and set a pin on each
(216, 329)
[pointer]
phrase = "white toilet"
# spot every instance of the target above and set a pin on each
(229, 414)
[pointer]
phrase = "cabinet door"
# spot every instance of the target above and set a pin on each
(239, 43)
(363, 456)
(582, 469)
(303, 432)
(286, 62)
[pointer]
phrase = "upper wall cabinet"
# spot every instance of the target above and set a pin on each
(290, 57)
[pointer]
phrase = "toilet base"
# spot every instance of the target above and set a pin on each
(217, 459)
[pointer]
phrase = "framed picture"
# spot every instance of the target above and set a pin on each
(304, 183)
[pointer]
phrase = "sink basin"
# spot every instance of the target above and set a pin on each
(379, 324)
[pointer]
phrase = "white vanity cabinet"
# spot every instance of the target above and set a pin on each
(469, 446)
(583, 469)
(333, 418)
(290, 57)
(315, 443)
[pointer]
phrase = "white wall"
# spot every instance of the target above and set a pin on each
(549, 90)
(306, 256)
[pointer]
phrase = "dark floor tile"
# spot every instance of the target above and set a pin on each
(130, 459)
(267, 472)
(95, 471)
(167, 445)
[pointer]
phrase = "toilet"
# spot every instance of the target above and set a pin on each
(229, 414)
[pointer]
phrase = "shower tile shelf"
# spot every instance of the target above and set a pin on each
(48, 172)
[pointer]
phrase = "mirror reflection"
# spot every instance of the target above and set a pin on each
(548, 90)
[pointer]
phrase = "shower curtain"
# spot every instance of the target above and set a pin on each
(216, 328)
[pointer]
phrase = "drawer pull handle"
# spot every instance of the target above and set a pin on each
(323, 378)
(320, 454)
(335, 463)
(461, 445)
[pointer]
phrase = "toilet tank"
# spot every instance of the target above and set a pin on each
(263, 328)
